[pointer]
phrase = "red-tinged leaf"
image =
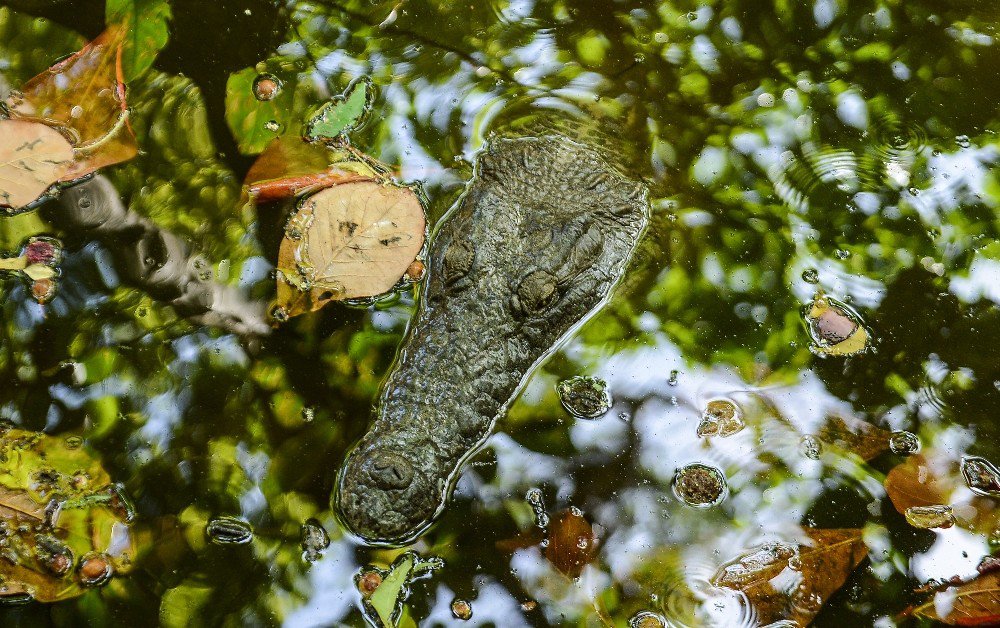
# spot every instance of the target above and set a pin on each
(913, 483)
(32, 158)
(291, 167)
(84, 97)
(810, 573)
(290, 187)
(975, 603)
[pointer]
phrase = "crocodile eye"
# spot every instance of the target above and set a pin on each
(537, 291)
(458, 260)
(389, 470)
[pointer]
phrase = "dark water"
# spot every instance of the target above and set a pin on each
(793, 150)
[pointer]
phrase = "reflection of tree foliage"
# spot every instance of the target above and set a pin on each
(758, 170)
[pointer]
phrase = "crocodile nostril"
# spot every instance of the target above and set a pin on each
(389, 471)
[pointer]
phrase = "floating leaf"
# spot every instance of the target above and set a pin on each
(147, 33)
(975, 603)
(32, 158)
(810, 574)
(914, 484)
(344, 113)
(384, 604)
(83, 96)
(349, 241)
(63, 523)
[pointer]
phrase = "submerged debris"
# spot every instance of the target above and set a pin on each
(811, 447)
(722, 417)
(925, 517)
(314, 539)
(700, 485)
(981, 476)
(835, 328)
(461, 609)
(584, 397)
(229, 531)
(904, 443)
(384, 591)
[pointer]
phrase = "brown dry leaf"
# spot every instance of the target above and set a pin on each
(854, 435)
(84, 95)
(348, 241)
(811, 573)
(572, 543)
(975, 603)
(32, 158)
(912, 483)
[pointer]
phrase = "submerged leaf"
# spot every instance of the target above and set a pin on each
(83, 96)
(975, 603)
(146, 24)
(810, 573)
(914, 484)
(572, 544)
(32, 158)
(854, 435)
(348, 241)
(344, 114)
(62, 521)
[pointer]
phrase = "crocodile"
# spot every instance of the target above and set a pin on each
(541, 235)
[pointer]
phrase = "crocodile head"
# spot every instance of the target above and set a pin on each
(535, 245)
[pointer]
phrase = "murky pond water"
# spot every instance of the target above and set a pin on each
(801, 362)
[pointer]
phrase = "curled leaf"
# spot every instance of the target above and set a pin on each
(290, 167)
(348, 241)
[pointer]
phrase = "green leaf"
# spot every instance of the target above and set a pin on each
(344, 113)
(254, 122)
(146, 21)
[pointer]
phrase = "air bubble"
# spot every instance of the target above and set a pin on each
(266, 87)
(461, 609)
(229, 531)
(810, 275)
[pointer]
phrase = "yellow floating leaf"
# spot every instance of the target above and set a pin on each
(349, 241)
(32, 158)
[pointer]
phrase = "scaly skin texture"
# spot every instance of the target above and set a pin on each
(538, 241)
